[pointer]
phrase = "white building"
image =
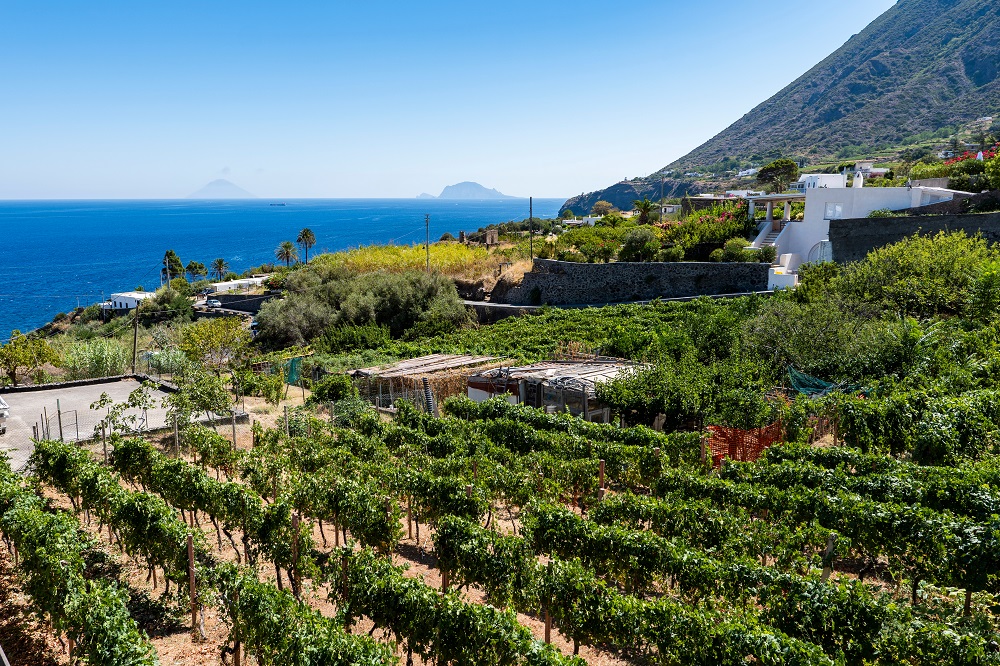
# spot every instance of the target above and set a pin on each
(816, 180)
(243, 284)
(747, 173)
(125, 301)
(803, 241)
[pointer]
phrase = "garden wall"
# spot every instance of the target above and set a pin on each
(852, 240)
(249, 303)
(567, 283)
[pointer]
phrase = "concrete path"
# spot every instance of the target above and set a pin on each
(78, 420)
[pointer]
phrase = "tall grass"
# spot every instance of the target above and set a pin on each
(452, 259)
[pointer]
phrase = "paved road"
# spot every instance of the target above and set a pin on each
(26, 411)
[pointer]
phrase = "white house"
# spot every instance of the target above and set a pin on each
(125, 301)
(815, 180)
(803, 241)
(746, 173)
(243, 284)
(588, 221)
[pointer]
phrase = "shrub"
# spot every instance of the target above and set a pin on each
(165, 306)
(265, 386)
(920, 276)
(883, 212)
(922, 171)
(334, 389)
(993, 173)
(181, 286)
(339, 339)
(672, 253)
(640, 244)
(767, 254)
(322, 296)
(716, 255)
(735, 250)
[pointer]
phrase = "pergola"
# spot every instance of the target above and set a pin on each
(770, 200)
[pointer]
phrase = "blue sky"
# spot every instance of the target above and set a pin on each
(376, 99)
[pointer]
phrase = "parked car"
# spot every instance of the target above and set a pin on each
(213, 303)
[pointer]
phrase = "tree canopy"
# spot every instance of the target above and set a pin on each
(22, 354)
(215, 343)
(778, 175)
(602, 208)
(172, 266)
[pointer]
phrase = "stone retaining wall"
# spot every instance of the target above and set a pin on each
(852, 240)
(567, 283)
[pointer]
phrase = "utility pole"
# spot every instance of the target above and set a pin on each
(135, 335)
(427, 228)
(531, 240)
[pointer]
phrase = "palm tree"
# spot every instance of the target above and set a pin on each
(286, 252)
(306, 240)
(219, 268)
(645, 207)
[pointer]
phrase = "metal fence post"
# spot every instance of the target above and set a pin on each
(59, 417)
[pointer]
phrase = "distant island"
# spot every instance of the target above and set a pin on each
(467, 190)
(221, 189)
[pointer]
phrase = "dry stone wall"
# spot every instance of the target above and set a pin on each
(567, 283)
(852, 240)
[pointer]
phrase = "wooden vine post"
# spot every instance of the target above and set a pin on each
(600, 479)
(237, 645)
(548, 616)
(343, 593)
(191, 583)
(295, 555)
(409, 517)
(831, 543)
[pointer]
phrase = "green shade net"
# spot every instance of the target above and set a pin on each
(814, 387)
(292, 369)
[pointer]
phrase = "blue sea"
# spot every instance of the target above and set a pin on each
(56, 255)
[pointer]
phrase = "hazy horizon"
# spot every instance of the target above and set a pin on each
(124, 101)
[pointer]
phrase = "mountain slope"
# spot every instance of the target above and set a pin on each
(921, 66)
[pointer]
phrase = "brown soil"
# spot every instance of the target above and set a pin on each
(25, 640)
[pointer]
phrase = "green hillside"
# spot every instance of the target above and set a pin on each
(922, 66)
